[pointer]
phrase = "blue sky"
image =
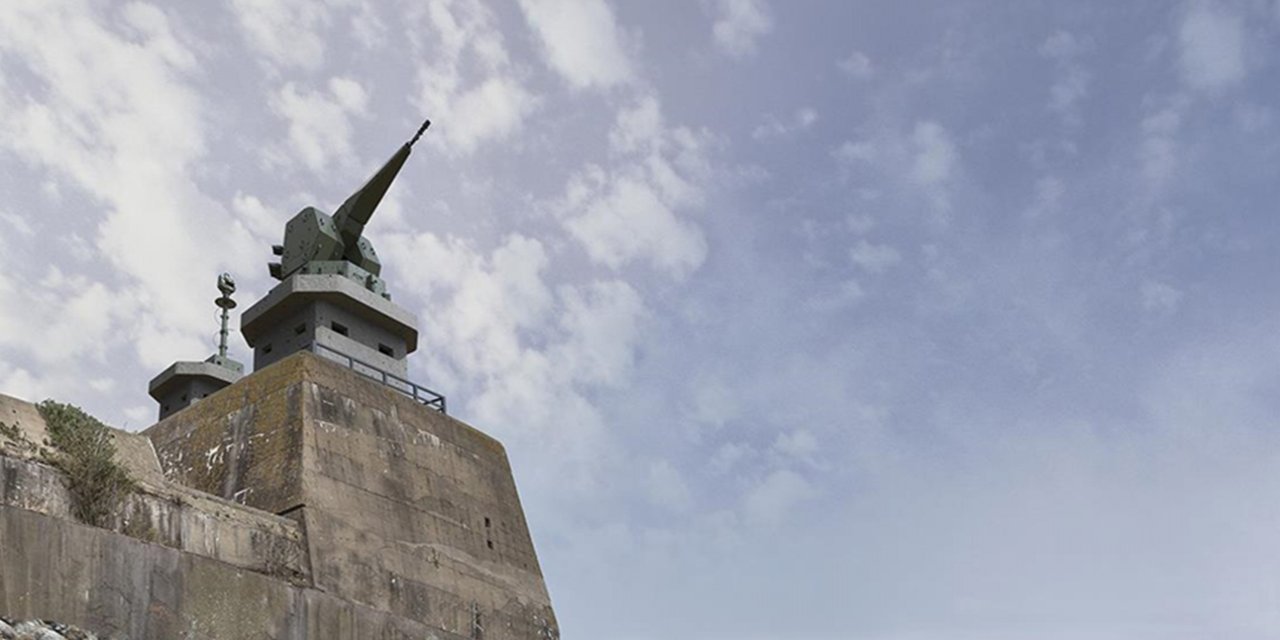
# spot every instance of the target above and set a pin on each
(798, 319)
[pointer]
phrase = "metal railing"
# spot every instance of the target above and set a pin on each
(418, 392)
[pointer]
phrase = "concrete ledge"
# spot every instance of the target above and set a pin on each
(178, 371)
(161, 512)
(120, 587)
(173, 517)
(301, 289)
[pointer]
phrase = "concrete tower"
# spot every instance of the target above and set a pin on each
(323, 496)
(405, 510)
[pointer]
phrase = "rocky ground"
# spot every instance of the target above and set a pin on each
(41, 630)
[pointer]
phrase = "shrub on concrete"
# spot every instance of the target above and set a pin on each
(11, 434)
(82, 448)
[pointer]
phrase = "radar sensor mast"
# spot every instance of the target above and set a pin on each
(226, 285)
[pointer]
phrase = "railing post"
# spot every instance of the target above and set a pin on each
(415, 391)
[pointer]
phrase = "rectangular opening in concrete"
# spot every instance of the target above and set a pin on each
(386, 351)
(300, 329)
(340, 329)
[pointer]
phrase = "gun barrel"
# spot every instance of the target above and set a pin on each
(356, 211)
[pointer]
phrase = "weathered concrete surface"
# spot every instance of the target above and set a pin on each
(24, 416)
(42, 630)
(161, 512)
(120, 587)
(304, 501)
(240, 443)
(406, 510)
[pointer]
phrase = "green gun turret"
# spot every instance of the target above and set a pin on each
(317, 243)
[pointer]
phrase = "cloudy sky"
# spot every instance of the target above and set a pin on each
(806, 320)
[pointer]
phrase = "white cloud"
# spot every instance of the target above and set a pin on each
(874, 258)
(846, 294)
(349, 94)
(496, 299)
(529, 355)
(1049, 191)
(739, 24)
(1253, 118)
(256, 216)
(493, 110)
(368, 28)
(798, 444)
(154, 29)
(1067, 91)
(727, 457)
(581, 40)
(859, 223)
(1072, 83)
(773, 127)
(849, 151)
(667, 488)
(1062, 46)
(1160, 297)
(1212, 48)
(320, 122)
(62, 318)
(17, 224)
(287, 32)
(638, 127)
(770, 501)
(627, 219)
(630, 213)
(119, 118)
(468, 83)
(1159, 149)
(857, 65)
(935, 154)
(600, 323)
(933, 162)
(714, 403)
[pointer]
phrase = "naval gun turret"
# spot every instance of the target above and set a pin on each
(317, 243)
(331, 299)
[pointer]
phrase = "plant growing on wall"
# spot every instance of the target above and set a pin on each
(82, 448)
(13, 436)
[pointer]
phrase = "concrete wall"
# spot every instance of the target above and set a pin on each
(303, 501)
(120, 587)
(406, 510)
(240, 443)
(160, 512)
(433, 503)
